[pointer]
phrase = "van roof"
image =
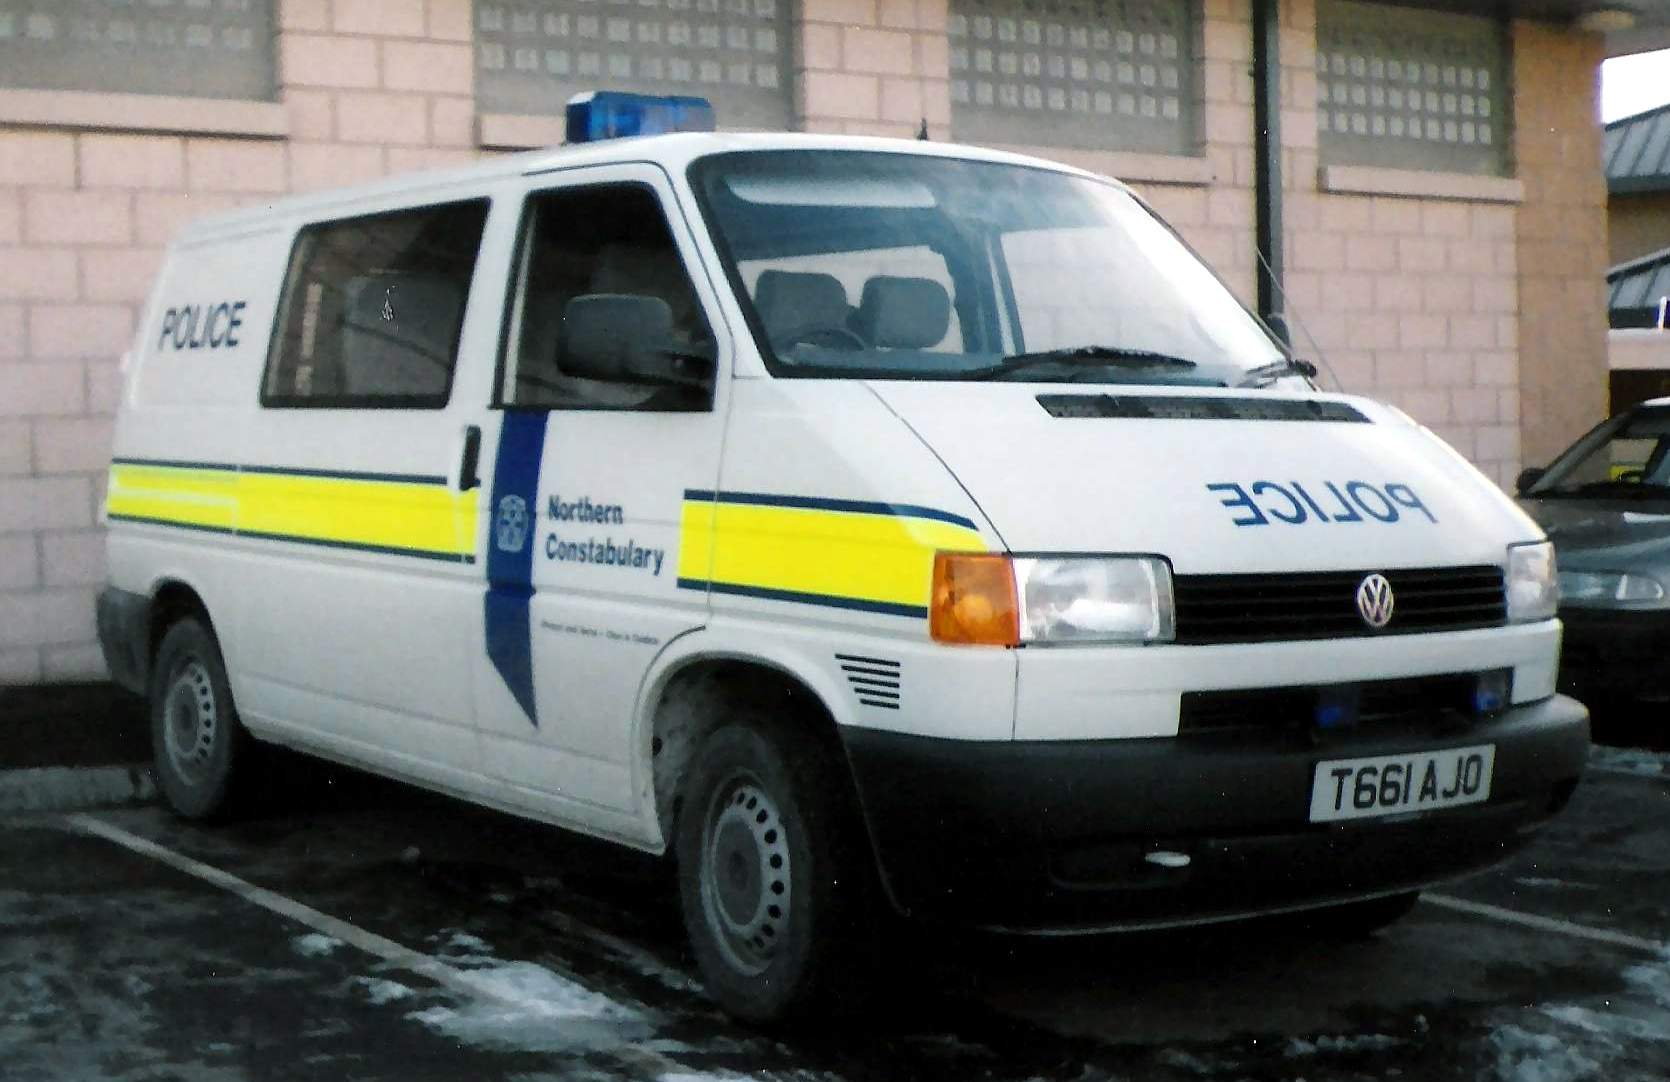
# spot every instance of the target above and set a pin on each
(672, 152)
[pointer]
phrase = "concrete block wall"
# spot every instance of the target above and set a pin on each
(1479, 314)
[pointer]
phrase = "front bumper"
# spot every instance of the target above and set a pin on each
(1052, 835)
(1615, 654)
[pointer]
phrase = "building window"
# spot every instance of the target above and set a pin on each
(533, 55)
(373, 308)
(1411, 89)
(1096, 74)
(197, 48)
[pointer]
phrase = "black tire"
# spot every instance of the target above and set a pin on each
(1359, 920)
(198, 745)
(788, 925)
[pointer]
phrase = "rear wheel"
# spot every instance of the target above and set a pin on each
(772, 877)
(197, 742)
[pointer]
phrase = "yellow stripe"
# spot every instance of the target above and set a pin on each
(851, 555)
(384, 514)
(417, 517)
(168, 494)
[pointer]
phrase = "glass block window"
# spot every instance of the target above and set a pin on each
(1411, 89)
(1098, 74)
(533, 55)
(197, 48)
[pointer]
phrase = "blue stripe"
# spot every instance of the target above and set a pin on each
(886, 608)
(507, 614)
(322, 542)
(819, 503)
(285, 471)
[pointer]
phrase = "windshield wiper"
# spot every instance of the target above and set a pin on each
(1097, 356)
(1287, 366)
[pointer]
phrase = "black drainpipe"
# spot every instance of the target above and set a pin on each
(1267, 175)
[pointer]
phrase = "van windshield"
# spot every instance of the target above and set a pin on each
(900, 266)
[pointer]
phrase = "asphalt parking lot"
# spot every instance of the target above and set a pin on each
(372, 932)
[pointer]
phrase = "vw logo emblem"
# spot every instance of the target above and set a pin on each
(1375, 601)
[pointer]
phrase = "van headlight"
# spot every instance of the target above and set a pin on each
(1090, 599)
(1533, 585)
(1610, 590)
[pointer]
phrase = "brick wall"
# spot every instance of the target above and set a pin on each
(1412, 298)
(1476, 307)
(369, 87)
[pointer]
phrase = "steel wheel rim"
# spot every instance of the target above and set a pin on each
(190, 722)
(745, 883)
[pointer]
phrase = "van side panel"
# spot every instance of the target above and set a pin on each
(188, 402)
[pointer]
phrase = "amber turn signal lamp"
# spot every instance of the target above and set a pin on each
(973, 600)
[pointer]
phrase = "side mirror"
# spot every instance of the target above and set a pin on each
(1528, 476)
(627, 338)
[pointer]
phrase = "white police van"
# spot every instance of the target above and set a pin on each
(864, 523)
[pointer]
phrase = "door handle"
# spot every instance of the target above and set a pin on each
(468, 475)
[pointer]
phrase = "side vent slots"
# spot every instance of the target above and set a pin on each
(874, 680)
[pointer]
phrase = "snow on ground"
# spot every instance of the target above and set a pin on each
(522, 1005)
(1342, 1044)
(379, 991)
(1566, 1042)
(314, 945)
(1545, 883)
(1631, 760)
(1524, 1056)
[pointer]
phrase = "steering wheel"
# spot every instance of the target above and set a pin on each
(828, 335)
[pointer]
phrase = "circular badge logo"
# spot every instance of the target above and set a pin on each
(511, 526)
(1375, 601)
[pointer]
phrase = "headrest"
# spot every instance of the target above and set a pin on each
(790, 301)
(903, 313)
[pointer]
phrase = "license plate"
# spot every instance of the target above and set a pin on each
(1395, 784)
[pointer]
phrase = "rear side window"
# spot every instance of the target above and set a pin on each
(372, 310)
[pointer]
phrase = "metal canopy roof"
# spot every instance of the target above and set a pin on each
(1651, 17)
(1637, 153)
(1634, 289)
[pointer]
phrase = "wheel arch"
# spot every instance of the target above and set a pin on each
(687, 693)
(173, 599)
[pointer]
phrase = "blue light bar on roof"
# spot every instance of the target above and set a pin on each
(611, 114)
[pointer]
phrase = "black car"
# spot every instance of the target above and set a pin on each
(1605, 503)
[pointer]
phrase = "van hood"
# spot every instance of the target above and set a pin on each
(1217, 481)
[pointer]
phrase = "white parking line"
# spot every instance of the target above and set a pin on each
(458, 980)
(1547, 924)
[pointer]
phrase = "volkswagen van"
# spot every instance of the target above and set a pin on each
(867, 525)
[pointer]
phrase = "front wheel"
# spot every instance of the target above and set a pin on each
(772, 877)
(197, 742)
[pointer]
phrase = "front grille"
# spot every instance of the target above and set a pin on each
(1376, 701)
(1323, 605)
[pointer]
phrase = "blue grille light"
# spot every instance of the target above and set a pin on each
(612, 114)
(1492, 691)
